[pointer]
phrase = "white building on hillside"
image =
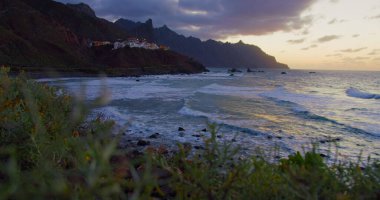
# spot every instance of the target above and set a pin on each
(135, 43)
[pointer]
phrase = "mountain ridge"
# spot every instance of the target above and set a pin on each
(211, 53)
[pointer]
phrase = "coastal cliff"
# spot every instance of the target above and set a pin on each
(40, 35)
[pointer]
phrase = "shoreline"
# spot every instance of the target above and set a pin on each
(78, 74)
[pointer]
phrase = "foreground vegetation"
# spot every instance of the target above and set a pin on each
(50, 150)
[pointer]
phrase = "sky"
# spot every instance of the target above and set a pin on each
(305, 34)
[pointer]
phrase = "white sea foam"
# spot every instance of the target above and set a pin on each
(195, 113)
(149, 90)
(114, 114)
(42, 80)
(220, 119)
(247, 92)
(353, 92)
(124, 88)
(283, 94)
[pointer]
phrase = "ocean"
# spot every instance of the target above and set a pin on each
(337, 111)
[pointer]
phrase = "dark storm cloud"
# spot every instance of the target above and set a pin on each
(328, 38)
(210, 18)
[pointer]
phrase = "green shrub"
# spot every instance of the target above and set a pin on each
(47, 148)
(50, 150)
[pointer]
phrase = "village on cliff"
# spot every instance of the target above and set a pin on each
(131, 42)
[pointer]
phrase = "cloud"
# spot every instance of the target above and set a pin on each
(298, 41)
(328, 38)
(375, 17)
(374, 52)
(334, 55)
(352, 50)
(361, 58)
(215, 18)
(334, 21)
(305, 32)
(310, 47)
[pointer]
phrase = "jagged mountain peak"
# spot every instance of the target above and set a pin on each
(83, 8)
(211, 53)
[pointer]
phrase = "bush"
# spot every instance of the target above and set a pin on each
(50, 150)
(218, 173)
(47, 149)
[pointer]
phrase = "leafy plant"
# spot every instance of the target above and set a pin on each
(49, 149)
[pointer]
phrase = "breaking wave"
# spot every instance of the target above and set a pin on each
(217, 119)
(294, 101)
(353, 92)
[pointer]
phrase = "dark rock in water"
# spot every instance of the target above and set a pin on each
(137, 80)
(143, 143)
(136, 153)
(154, 136)
(323, 155)
(312, 72)
(249, 70)
(283, 73)
(279, 137)
(198, 147)
(204, 130)
(232, 75)
(187, 146)
(330, 140)
(233, 70)
(181, 129)
(277, 157)
(261, 71)
(197, 135)
(336, 140)
(219, 136)
(233, 140)
(269, 137)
